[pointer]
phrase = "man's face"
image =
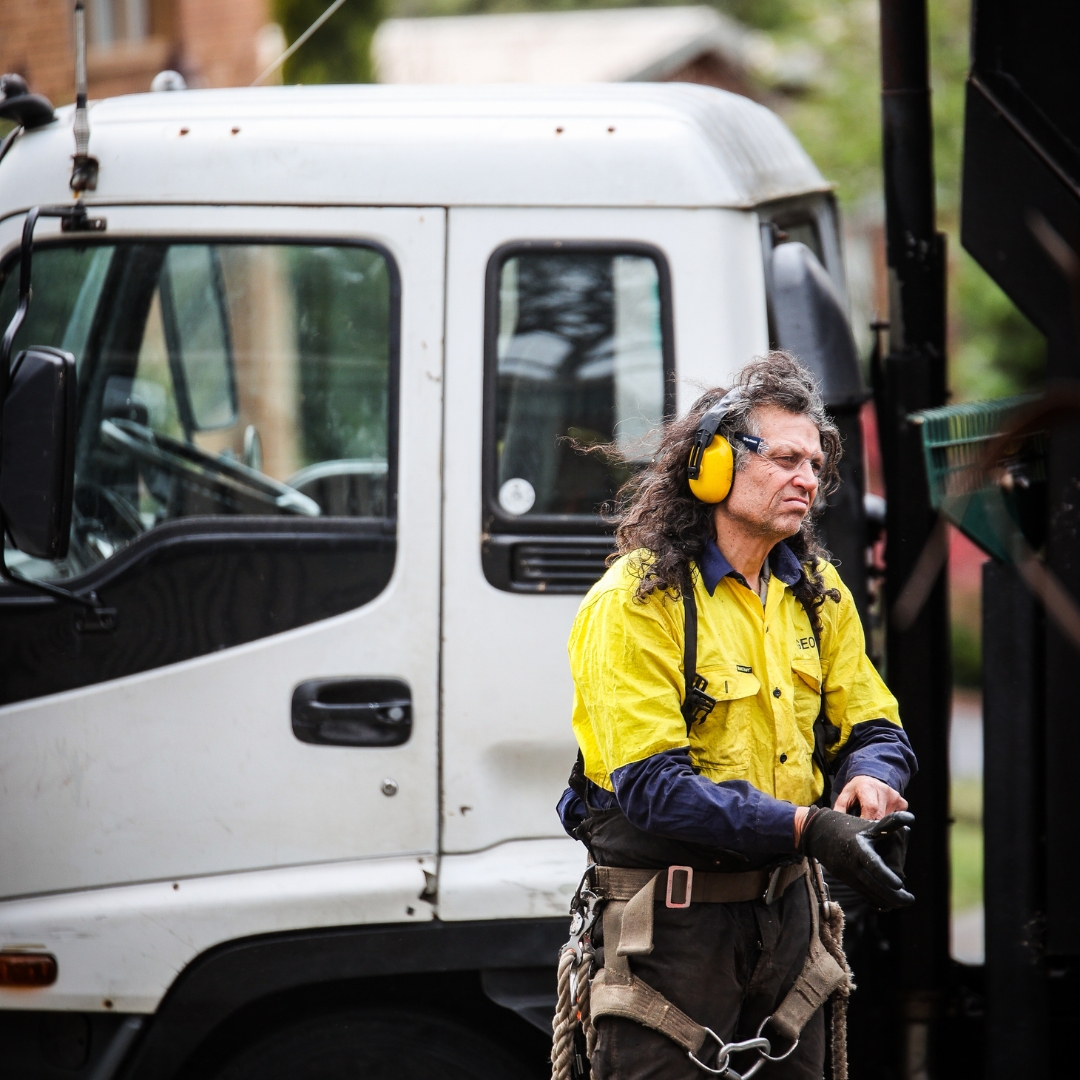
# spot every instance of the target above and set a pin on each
(775, 489)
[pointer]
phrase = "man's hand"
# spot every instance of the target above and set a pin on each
(873, 798)
(847, 847)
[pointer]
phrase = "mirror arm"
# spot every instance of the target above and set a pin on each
(73, 219)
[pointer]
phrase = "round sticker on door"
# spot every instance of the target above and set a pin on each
(517, 496)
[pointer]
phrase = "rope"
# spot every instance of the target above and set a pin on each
(585, 1016)
(570, 1014)
(832, 937)
(838, 1049)
(562, 1044)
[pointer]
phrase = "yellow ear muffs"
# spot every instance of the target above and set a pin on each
(713, 480)
(711, 459)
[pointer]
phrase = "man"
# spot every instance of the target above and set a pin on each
(722, 779)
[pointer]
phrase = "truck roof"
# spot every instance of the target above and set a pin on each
(635, 144)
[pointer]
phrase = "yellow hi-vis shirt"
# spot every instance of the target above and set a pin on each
(762, 666)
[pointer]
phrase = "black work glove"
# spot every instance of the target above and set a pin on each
(892, 847)
(847, 847)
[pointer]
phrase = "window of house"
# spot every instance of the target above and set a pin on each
(579, 375)
(217, 380)
(109, 22)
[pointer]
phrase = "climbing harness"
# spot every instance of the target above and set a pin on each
(626, 899)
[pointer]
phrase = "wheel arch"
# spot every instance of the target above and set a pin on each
(228, 992)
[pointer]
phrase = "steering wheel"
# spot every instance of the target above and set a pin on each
(236, 488)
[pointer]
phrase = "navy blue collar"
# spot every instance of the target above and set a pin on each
(783, 562)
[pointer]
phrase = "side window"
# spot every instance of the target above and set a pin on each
(578, 357)
(218, 380)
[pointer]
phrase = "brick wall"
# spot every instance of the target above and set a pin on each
(37, 42)
(218, 40)
(213, 42)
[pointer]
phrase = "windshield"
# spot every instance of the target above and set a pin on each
(215, 379)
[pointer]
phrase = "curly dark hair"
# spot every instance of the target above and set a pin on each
(656, 512)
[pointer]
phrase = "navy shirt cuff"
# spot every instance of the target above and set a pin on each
(876, 748)
(571, 811)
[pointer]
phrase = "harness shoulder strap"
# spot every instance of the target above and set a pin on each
(689, 650)
(696, 703)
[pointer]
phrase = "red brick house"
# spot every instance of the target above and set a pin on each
(210, 42)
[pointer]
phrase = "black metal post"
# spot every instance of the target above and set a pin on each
(913, 377)
(1017, 1032)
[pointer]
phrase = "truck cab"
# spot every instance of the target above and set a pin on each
(340, 356)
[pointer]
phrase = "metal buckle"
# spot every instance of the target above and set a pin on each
(689, 886)
(770, 892)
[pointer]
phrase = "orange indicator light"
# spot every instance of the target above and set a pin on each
(19, 969)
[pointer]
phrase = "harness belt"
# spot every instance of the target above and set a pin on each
(633, 894)
(629, 898)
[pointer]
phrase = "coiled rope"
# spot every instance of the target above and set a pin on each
(832, 937)
(571, 1014)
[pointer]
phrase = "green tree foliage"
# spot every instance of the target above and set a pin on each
(966, 654)
(994, 351)
(340, 50)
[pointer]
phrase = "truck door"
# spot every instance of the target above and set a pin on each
(561, 338)
(257, 487)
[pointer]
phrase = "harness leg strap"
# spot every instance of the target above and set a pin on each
(637, 1001)
(616, 991)
(820, 977)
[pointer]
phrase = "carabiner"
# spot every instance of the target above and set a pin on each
(761, 1045)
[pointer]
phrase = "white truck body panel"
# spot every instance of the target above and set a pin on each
(122, 947)
(521, 879)
(192, 769)
(507, 692)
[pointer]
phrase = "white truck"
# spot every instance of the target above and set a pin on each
(277, 797)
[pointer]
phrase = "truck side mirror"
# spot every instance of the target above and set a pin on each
(810, 322)
(37, 452)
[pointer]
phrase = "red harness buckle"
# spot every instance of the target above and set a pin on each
(687, 888)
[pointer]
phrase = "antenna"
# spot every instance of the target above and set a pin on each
(84, 168)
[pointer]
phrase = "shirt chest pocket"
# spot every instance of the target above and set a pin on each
(806, 681)
(720, 745)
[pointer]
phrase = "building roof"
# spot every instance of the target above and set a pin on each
(641, 144)
(615, 45)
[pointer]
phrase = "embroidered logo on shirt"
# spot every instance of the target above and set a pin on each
(744, 669)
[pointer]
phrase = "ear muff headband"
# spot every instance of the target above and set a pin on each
(711, 459)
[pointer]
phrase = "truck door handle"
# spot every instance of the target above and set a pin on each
(352, 712)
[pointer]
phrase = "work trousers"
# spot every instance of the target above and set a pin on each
(727, 966)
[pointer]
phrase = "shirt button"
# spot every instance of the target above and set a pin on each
(783, 758)
(776, 692)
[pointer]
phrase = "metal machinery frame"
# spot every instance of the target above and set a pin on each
(1021, 182)
(922, 1014)
(898, 1023)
